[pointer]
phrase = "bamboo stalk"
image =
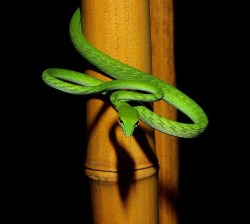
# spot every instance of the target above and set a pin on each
(162, 35)
(122, 171)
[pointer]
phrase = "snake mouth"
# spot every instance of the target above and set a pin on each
(128, 130)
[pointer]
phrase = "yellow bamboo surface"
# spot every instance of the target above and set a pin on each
(162, 35)
(122, 170)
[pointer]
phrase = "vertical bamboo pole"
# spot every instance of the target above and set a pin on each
(122, 171)
(162, 35)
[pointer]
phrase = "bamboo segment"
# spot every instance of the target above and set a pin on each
(162, 35)
(120, 29)
(124, 198)
(122, 170)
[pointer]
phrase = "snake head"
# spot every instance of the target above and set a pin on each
(128, 120)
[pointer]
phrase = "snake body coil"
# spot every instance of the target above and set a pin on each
(125, 89)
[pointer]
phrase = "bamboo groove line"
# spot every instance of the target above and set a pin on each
(122, 171)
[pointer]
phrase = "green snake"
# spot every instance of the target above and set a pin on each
(124, 90)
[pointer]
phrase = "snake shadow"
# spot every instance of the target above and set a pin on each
(126, 164)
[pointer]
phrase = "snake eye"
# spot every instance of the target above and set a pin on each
(136, 124)
(120, 122)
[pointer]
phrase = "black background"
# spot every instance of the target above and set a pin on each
(46, 127)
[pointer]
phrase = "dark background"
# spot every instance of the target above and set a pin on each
(46, 128)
